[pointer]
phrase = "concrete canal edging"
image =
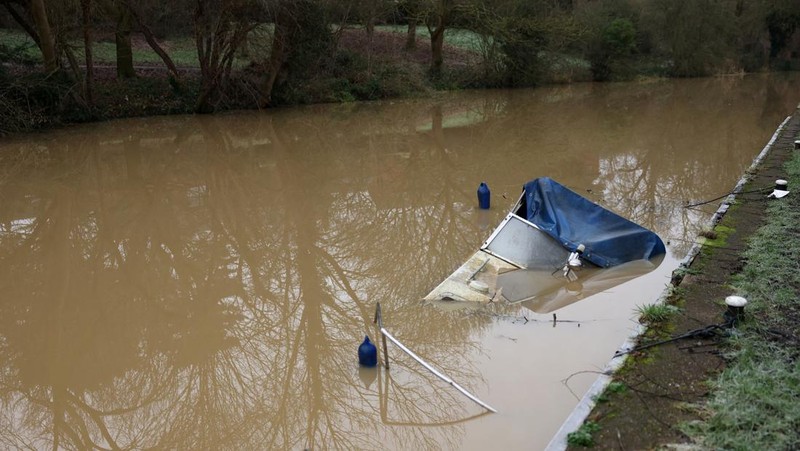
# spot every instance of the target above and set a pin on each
(587, 403)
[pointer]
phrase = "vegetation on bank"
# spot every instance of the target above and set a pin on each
(77, 60)
(754, 402)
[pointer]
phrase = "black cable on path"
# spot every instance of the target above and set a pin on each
(703, 331)
(760, 190)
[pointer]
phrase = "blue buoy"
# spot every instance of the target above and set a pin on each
(367, 353)
(484, 196)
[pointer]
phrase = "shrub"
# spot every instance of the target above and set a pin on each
(612, 37)
(583, 436)
(31, 102)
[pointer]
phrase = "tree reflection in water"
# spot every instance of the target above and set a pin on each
(207, 291)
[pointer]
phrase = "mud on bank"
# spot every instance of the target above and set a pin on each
(660, 388)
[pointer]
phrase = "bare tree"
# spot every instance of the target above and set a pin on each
(438, 19)
(21, 17)
(123, 27)
(410, 9)
(151, 39)
(46, 38)
(220, 29)
(86, 10)
(370, 12)
(302, 40)
(280, 48)
(439, 15)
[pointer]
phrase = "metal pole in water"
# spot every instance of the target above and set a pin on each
(433, 370)
(379, 321)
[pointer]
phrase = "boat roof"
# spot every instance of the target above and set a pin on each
(571, 219)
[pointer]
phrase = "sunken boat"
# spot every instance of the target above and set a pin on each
(553, 248)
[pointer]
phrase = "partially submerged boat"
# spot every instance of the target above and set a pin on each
(553, 248)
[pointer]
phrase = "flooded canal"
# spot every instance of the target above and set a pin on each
(204, 282)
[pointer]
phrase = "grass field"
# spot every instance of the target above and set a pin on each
(184, 53)
(464, 39)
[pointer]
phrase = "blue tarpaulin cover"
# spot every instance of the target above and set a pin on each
(572, 219)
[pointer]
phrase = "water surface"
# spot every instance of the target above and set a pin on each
(204, 282)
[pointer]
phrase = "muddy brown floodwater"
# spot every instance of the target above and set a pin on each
(204, 282)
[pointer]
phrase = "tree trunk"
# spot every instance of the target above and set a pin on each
(411, 35)
(436, 27)
(203, 43)
(86, 9)
(277, 58)
(151, 40)
(46, 38)
(23, 22)
(437, 45)
(370, 27)
(220, 30)
(280, 48)
(123, 41)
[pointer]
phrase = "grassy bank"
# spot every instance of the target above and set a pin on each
(754, 401)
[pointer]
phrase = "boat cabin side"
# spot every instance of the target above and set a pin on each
(515, 243)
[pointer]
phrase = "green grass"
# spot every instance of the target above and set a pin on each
(184, 53)
(464, 39)
(615, 387)
(182, 50)
(754, 404)
(583, 436)
(718, 237)
(655, 313)
(21, 45)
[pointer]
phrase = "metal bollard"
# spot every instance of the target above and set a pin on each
(735, 313)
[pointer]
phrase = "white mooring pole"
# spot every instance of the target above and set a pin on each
(385, 333)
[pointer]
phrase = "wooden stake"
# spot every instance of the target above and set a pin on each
(379, 321)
